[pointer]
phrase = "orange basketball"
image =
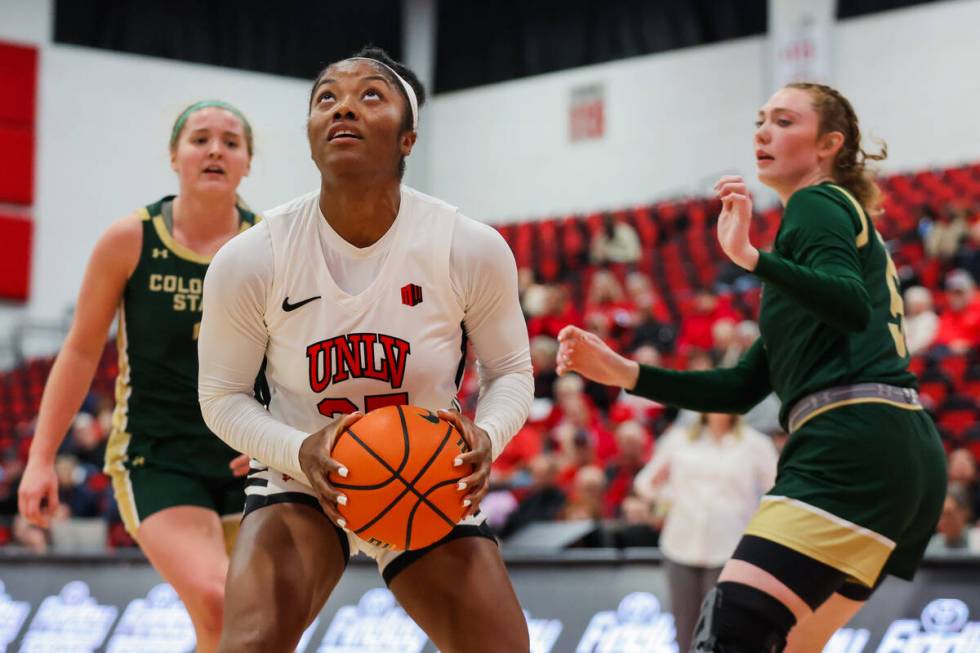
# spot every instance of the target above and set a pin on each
(401, 484)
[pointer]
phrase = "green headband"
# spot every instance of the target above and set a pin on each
(204, 104)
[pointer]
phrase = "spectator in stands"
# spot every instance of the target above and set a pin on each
(962, 470)
(80, 487)
(582, 421)
(607, 300)
(943, 239)
(543, 350)
(632, 453)
(953, 531)
(556, 312)
(707, 479)
(747, 332)
(616, 242)
(921, 322)
(586, 500)
(968, 256)
(697, 324)
(726, 349)
(525, 279)
(534, 296)
(565, 386)
(575, 451)
(959, 324)
(87, 441)
(640, 527)
(640, 292)
(544, 501)
(647, 330)
(732, 279)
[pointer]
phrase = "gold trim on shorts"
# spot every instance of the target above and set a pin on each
(823, 536)
(119, 438)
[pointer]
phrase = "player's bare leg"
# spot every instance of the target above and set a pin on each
(287, 560)
(812, 633)
(186, 546)
(462, 598)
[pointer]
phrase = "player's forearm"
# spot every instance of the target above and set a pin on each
(840, 301)
(246, 426)
(65, 390)
(712, 391)
(503, 407)
(726, 390)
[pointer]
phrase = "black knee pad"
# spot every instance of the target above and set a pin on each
(737, 618)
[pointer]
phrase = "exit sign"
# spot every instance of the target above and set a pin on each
(587, 113)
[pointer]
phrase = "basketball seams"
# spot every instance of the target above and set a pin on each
(425, 468)
(409, 485)
(424, 499)
(405, 439)
(386, 509)
(384, 463)
(396, 472)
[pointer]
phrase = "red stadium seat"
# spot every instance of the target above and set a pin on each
(933, 389)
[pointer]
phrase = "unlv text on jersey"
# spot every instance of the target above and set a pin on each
(357, 355)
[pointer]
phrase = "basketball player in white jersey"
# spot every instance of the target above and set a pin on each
(362, 294)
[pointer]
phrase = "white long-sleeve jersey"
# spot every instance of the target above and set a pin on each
(343, 328)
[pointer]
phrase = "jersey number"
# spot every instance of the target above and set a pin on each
(342, 406)
(897, 308)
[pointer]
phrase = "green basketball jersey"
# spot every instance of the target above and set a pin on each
(157, 420)
(855, 337)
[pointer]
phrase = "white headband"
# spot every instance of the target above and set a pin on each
(413, 101)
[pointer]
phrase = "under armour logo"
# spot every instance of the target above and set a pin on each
(411, 295)
(159, 252)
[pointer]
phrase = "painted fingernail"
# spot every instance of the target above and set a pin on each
(343, 472)
(342, 523)
(342, 500)
(457, 462)
(466, 503)
(461, 485)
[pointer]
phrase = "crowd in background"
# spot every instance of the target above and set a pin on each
(590, 452)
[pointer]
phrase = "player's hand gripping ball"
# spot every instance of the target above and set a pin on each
(401, 486)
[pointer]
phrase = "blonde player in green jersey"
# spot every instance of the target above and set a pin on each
(861, 480)
(179, 488)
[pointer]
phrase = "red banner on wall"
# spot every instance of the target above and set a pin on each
(18, 79)
(15, 257)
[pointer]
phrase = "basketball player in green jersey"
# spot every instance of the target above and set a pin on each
(179, 488)
(861, 481)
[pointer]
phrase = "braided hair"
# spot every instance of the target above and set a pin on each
(850, 168)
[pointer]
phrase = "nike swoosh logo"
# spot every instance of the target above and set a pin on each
(431, 417)
(286, 306)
